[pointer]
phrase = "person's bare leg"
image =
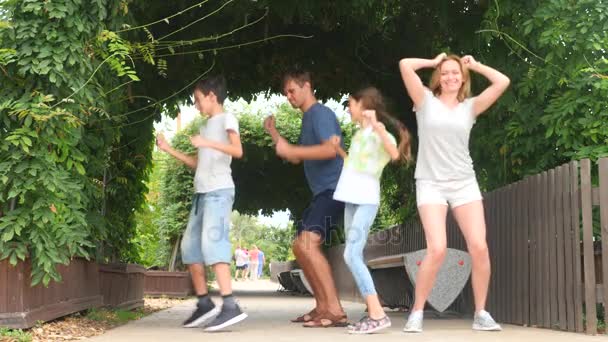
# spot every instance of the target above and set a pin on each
(199, 281)
(433, 218)
(222, 275)
(470, 218)
(305, 264)
(321, 271)
(374, 308)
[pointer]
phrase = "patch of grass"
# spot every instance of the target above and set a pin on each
(114, 316)
(601, 319)
(14, 335)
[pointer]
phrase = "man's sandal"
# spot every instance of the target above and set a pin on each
(327, 320)
(307, 317)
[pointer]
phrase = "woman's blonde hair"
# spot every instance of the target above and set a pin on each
(371, 98)
(465, 89)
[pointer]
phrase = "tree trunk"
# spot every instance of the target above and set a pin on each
(173, 260)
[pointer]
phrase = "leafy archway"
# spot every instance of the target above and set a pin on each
(84, 81)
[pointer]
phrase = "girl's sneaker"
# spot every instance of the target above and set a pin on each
(483, 321)
(368, 325)
(414, 322)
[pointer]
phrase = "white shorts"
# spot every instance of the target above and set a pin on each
(454, 192)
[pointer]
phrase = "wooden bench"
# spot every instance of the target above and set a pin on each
(396, 260)
(393, 286)
(395, 278)
(294, 281)
(299, 279)
(285, 281)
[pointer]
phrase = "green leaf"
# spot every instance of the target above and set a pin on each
(21, 254)
(133, 77)
(44, 52)
(37, 277)
(13, 259)
(27, 141)
(8, 235)
(80, 168)
(46, 279)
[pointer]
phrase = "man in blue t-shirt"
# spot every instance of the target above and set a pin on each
(322, 168)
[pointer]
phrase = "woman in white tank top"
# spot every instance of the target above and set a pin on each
(445, 114)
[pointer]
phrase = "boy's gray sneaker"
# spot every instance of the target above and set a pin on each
(202, 313)
(414, 322)
(483, 321)
(228, 316)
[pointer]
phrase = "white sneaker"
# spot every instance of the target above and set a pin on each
(414, 322)
(483, 321)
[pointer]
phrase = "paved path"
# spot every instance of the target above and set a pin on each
(270, 311)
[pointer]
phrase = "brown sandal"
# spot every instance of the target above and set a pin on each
(327, 320)
(307, 317)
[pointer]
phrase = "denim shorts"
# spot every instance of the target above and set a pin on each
(206, 240)
(322, 215)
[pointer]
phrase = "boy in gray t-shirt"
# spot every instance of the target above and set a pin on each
(206, 239)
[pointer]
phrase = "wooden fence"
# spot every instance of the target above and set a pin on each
(539, 229)
(122, 285)
(22, 305)
(168, 284)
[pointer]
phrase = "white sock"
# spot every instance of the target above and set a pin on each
(417, 312)
(481, 312)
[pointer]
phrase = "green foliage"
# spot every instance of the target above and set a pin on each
(555, 110)
(43, 168)
(352, 43)
(397, 200)
(147, 239)
(60, 152)
(76, 129)
(261, 178)
(118, 51)
(175, 192)
(601, 318)
(114, 316)
(14, 335)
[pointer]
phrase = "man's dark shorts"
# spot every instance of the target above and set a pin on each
(322, 215)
